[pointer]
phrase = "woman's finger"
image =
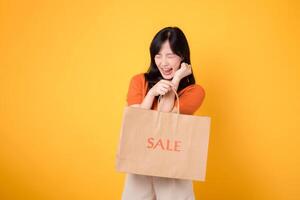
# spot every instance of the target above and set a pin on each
(164, 89)
(167, 83)
(166, 86)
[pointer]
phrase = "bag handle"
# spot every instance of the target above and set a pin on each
(178, 106)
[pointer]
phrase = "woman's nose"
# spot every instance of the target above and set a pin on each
(164, 62)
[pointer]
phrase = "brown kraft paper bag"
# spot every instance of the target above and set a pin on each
(163, 144)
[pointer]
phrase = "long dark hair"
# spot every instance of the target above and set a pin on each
(179, 46)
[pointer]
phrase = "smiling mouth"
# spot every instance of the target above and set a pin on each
(167, 71)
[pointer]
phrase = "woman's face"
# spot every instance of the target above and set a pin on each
(167, 61)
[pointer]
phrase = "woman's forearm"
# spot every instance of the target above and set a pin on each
(167, 102)
(148, 101)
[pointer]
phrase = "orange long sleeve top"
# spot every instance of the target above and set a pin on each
(190, 98)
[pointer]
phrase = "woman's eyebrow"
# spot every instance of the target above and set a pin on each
(166, 54)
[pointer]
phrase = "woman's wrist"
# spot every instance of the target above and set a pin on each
(177, 77)
(176, 81)
(148, 100)
(150, 93)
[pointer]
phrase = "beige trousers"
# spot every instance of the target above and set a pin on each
(141, 187)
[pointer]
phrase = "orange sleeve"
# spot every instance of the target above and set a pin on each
(191, 100)
(135, 90)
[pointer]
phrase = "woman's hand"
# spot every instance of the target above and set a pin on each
(161, 88)
(184, 70)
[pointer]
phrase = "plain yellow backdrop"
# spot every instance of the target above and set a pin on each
(64, 72)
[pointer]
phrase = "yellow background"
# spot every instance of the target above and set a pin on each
(64, 72)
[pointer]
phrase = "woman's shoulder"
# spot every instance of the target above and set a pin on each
(194, 88)
(140, 77)
(138, 81)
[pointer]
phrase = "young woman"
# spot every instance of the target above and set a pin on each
(170, 67)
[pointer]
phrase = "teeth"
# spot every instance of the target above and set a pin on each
(167, 71)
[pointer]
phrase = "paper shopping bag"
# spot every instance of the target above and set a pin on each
(163, 144)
